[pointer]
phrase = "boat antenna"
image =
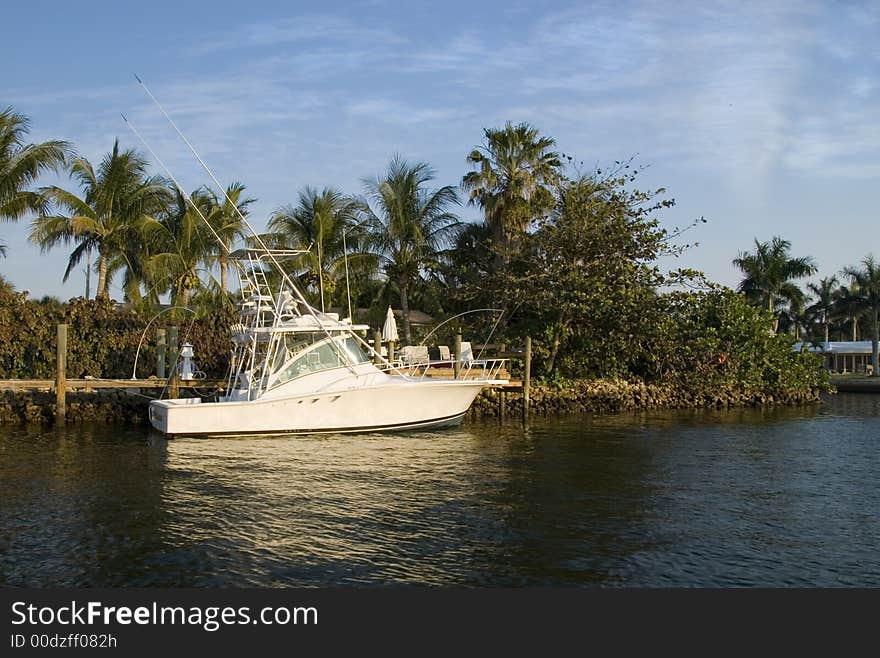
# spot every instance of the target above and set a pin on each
(347, 284)
(321, 264)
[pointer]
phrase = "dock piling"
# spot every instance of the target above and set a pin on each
(160, 353)
(377, 346)
(174, 384)
(61, 375)
(173, 333)
(527, 377)
(457, 363)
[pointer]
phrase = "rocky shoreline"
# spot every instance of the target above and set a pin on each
(603, 396)
(105, 406)
(608, 396)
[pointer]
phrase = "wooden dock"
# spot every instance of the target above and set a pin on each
(62, 385)
(73, 385)
(856, 383)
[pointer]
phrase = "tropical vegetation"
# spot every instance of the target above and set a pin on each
(408, 225)
(21, 164)
(864, 298)
(571, 257)
(769, 275)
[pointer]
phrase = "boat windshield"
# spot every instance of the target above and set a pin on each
(321, 356)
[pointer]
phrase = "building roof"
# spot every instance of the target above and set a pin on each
(838, 347)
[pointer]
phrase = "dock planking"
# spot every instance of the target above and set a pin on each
(95, 384)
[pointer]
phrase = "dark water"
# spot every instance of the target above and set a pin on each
(741, 498)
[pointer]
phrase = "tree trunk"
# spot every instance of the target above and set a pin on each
(855, 328)
(875, 339)
(827, 331)
(404, 307)
(775, 317)
(554, 346)
(224, 271)
(88, 273)
(102, 276)
(502, 244)
(181, 297)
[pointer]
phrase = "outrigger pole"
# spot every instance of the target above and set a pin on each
(180, 189)
(256, 235)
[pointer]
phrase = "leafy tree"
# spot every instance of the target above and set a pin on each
(866, 296)
(408, 225)
(21, 164)
(467, 266)
(715, 348)
(116, 197)
(581, 281)
(515, 172)
(769, 273)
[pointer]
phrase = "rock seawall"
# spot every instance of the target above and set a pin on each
(599, 396)
(17, 407)
(603, 396)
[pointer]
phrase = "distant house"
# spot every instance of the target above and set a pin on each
(843, 356)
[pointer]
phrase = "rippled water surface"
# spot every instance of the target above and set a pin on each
(734, 498)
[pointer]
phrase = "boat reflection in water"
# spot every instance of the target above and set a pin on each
(745, 498)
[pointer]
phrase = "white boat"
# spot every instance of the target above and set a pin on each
(295, 369)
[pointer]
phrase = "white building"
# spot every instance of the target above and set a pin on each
(845, 356)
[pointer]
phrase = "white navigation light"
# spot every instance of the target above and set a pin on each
(187, 367)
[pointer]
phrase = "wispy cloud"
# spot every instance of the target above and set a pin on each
(308, 30)
(743, 93)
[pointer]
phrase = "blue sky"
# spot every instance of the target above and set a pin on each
(764, 117)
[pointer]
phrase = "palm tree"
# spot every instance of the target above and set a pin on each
(115, 198)
(514, 170)
(21, 164)
(769, 272)
(318, 222)
(225, 218)
(866, 296)
(181, 246)
(847, 307)
(823, 308)
(796, 314)
(408, 225)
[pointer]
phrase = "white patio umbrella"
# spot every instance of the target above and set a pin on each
(389, 331)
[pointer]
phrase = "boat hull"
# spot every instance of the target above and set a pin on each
(395, 407)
